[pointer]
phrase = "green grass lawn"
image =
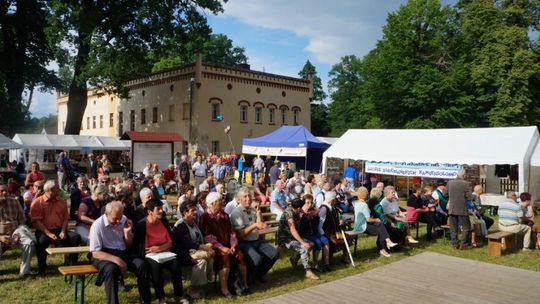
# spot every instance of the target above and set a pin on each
(281, 279)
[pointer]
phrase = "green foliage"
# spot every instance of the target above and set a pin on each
(437, 66)
(216, 48)
(309, 69)
(25, 56)
(319, 110)
(104, 43)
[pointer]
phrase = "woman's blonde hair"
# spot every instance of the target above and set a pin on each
(362, 193)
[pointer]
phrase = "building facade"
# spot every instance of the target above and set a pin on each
(212, 107)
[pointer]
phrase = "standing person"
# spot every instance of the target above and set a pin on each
(50, 216)
(219, 170)
(274, 174)
(63, 168)
(110, 237)
(268, 163)
(258, 165)
(177, 160)
(91, 168)
(240, 168)
(14, 231)
(288, 236)
(106, 164)
(247, 221)
(199, 172)
(183, 171)
(459, 191)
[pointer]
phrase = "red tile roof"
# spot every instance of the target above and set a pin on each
(152, 136)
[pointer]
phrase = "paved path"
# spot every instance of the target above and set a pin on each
(425, 278)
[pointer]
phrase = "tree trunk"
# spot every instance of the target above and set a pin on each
(14, 45)
(77, 96)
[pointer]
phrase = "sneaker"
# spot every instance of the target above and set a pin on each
(384, 253)
(526, 249)
(294, 260)
(391, 244)
(412, 241)
(311, 275)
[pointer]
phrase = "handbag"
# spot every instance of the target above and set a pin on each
(199, 254)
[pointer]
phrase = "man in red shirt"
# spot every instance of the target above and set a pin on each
(50, 217)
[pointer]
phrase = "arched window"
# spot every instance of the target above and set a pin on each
(243, 111)
(283, 109)
(296, 115)
(215, 104)
(272, 114)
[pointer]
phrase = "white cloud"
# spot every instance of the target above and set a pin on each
(333, 28)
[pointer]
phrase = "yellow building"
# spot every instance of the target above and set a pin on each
(200, 101)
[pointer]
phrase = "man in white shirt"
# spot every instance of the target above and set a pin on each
(199, 171)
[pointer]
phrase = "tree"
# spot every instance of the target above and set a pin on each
(504, 66)
(216, 48)
(25, 54)
(345, 110)
(104, 43)
(319, 110)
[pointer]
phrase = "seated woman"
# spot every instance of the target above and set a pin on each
(34, 175)
(424, 213)
(392, 212)
(187, 195)
(376, 212)
(260, 191)
(217, 230)
(189, 244)
(288, 236)
(159, 192)
(76, 196)
(330, 225)
(364, 223)
(90, 209)
(152, 234)
(309, 222)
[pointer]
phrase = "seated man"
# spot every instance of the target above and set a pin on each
(13, 231)
(247, 221)
(110, 235)
(278, 199)
(511, 219)
(50, 216)
(288, 236)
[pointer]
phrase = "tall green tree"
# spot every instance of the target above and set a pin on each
(504, 66)
(24, 56)
(319, 110)
(345, 87)
(104, 43)
(216, 48)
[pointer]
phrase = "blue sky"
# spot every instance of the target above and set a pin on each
(280, 35)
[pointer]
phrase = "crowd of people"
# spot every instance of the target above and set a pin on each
(125, 223)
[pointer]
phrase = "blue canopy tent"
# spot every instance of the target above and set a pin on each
(289, 143)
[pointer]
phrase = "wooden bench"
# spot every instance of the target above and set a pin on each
(67, 251)
(501, 241)
(354, 236)
(268, 230)
(272, 223)
(80, 272)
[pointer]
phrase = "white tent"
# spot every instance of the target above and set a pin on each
(7, 143)
(70, 142)
(480, 146)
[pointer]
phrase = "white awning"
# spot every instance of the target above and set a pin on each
(7, 143)
(480, 146)
(70, 142)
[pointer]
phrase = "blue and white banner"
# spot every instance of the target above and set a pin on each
(414, 169)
